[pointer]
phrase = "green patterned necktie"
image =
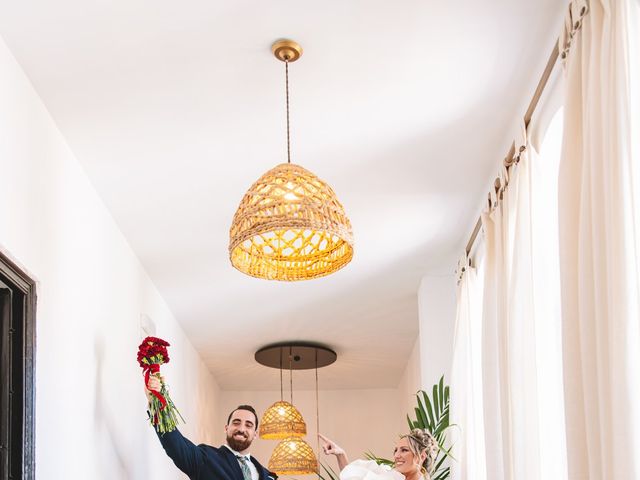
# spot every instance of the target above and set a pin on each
(246, 473)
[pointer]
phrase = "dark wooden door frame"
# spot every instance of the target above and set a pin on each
(20, 281)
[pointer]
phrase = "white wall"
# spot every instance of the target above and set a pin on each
(90, 408)
(437, 312)
(358, 420)
(432, 352)
(411, 380)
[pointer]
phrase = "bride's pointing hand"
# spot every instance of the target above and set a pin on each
(330, 447)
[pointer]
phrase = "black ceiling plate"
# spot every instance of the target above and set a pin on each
(295, 355)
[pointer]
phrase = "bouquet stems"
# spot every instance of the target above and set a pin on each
(164, 417)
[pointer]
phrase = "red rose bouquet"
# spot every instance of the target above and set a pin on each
(163, 414)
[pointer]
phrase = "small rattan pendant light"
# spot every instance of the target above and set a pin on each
(290, 225)
(282, 419)
(293, 456)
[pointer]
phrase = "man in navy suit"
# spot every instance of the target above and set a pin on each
(231, 461)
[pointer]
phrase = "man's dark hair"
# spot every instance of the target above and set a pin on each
(248, 408)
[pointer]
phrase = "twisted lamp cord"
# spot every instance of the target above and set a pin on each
(286, 69)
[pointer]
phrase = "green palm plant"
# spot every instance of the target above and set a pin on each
(432, 414)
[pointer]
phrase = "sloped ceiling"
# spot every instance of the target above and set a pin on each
(175, 108)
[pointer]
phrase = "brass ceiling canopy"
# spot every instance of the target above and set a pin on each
(286, 50)
(290, 225)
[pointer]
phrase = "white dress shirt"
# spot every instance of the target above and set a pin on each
(252, 468)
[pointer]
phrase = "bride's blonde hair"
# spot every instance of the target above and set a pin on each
(422, 441)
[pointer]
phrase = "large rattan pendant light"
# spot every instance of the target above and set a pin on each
(290, 225)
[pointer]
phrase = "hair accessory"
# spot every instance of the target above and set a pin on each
(420, 442)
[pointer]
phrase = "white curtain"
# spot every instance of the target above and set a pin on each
(506, 387)
(599, 214)
(519, 343)
(467, 435)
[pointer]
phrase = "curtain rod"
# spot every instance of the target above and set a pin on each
(527, 119)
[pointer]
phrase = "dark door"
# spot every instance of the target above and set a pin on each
(17, 423)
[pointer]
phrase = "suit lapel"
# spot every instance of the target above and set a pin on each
(232, 463)
(233, 467)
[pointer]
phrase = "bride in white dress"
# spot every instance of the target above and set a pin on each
(413, 459)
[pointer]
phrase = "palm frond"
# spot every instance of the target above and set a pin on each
(378, 460)
(427, 408)
(432, 414)
(330, 473)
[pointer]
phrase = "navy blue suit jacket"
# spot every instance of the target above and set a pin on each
(204, 462)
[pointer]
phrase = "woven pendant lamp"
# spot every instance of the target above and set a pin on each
(282, 420)
(293, 456)
(290, 225)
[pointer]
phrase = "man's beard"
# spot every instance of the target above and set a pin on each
(238, 444)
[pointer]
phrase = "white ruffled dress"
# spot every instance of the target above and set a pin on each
(369, 470)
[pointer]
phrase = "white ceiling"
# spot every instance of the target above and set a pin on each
(175, 108)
